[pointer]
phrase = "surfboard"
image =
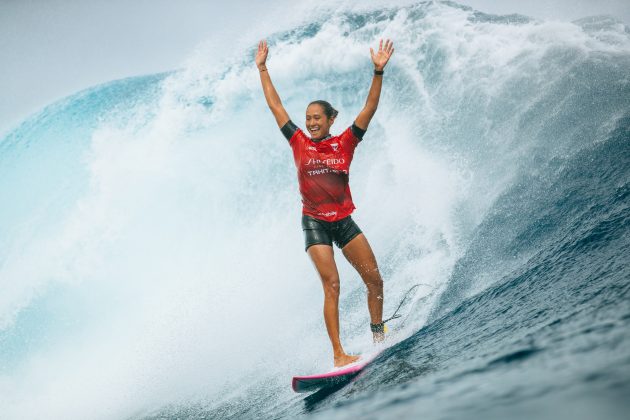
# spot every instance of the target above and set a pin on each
(337, 376)
(342, 375)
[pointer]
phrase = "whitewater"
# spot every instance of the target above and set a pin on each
(151, 255)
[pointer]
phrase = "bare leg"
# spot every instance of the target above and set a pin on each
(324, 261)
(359, 253)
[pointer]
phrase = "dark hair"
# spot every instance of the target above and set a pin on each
(328, 109)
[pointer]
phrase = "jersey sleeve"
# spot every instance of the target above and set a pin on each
(358, 132)
(289, 130)
(352, 136)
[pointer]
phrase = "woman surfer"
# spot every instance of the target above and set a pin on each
(323, 163)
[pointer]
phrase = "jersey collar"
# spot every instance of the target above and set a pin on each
(321, 140)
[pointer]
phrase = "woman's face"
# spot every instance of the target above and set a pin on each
(317, 123)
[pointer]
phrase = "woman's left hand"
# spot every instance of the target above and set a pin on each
(381, 57)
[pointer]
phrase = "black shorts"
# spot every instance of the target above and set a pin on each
(322, 232)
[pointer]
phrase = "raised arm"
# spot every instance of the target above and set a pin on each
(379, 59)
(273, 100)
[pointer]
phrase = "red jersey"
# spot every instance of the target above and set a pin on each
(323, 169)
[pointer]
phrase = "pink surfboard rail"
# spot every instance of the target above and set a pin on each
(332, 378)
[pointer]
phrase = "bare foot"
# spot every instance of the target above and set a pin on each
(378, 337)
(345, 359)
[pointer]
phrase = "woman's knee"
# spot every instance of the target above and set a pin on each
(373, 280)
(331, 286)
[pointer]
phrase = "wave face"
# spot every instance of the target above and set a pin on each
(151, 260)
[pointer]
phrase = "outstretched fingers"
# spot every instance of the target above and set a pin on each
(261, 54)
(385, 51)
(389, 47)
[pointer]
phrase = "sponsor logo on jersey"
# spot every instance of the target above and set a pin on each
(328, 213)
(326, 171)
(332, 161)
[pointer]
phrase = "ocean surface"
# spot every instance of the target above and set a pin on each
(151, 258)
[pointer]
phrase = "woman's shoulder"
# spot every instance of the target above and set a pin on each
(350, 134)
(292, 132)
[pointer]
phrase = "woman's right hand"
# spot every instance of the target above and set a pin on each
(261, 55)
